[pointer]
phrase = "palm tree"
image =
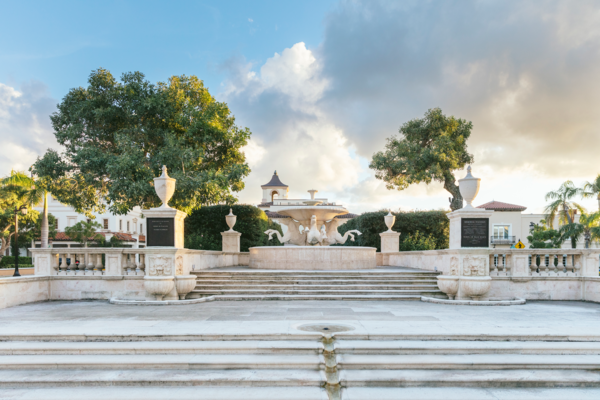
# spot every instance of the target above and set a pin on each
(587, 226)
(20, 179)
(16, 191)
(592, 189)
(562, 206)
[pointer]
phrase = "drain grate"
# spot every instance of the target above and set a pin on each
(325, 328)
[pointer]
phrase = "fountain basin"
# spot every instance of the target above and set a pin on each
(312, 257)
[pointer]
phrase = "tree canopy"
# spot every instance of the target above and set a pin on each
(118, 134)
(428, 149)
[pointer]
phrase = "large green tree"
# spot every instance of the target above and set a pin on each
(118, 134)
(427, 149)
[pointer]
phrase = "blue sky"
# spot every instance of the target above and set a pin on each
(60, 42)
(322, 84)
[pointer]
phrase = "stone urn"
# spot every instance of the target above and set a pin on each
(389, 221)
(164, 187)
(158, 286)
(469, 187)
(448, 284)
(184, 284)
(475, 286)
(230, 219)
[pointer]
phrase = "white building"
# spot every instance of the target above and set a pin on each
(130, 228)
(508, 225)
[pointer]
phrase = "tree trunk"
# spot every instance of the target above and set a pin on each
(44, 235)
(456, 202)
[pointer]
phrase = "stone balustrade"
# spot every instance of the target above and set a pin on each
(544, 262)
(101, 261)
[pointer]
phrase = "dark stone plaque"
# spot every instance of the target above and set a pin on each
(161, 232)
(475, 232)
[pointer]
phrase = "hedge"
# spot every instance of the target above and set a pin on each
(20, 265)
(203, 227)
(419, 230)
(10, 261)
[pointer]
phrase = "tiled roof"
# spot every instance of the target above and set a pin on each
(126, 237)
(500, 206)
(275, 181)
(269, 204)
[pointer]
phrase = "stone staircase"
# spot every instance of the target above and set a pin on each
(298, 367)
(380, 284)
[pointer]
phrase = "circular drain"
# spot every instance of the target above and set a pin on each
(325, 328)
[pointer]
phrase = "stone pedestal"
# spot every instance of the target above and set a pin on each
(231, 241)
(164, 227)
(390, 242)
(470, 228)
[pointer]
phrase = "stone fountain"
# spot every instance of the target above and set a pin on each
(312, 227)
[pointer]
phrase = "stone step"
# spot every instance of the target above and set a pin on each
(469, 361)
(316, 281)
(462, 393)
(291, 291)
(167, 393)
(312, 275)
(30, 378)
(305, 347)
(416, 347)
(158, 361)
(470, 378)
(202, 286)
(285, 297)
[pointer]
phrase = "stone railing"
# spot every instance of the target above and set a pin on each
(496, 262)
(543, 262)
(99, 261)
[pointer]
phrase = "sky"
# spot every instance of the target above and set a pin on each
(322, 84)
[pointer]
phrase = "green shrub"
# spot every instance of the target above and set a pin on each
(203, 227)
(20, 265)
(419, 230)
(10, 261)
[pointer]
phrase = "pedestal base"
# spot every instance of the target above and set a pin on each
(312, 258)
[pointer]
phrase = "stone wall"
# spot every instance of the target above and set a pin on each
(15, 291)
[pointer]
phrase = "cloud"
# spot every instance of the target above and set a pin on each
(525, 74)
(290, 133)
(25, 130)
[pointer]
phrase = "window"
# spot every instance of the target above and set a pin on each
(71, 221)
(120, 225)
(105, 225)
(56, 224)
(127, 226)
(141, 228)
(501, 231)
(88, 220)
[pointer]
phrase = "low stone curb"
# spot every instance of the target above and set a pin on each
(514, 302)
(160, 303)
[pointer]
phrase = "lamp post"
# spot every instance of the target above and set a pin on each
(23, 211)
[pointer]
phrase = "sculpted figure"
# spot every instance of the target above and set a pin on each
(333, 236)
(292, 236)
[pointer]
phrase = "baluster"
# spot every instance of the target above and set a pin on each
(503, 263)
(130, 264)
(547, 264)
(68, 263)
(98, 265)
(508, 264)
(56, 263)
(568, 264)
(82, 263)
(532, 263)
(142, 264)
(89, 268)
(556, 267)
(496, 259)
(577, 266)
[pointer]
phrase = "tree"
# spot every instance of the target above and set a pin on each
(562, 207)
(32, 230)
(84, 232)
(15, 194)
(587, 227)
(427, 149)
(592, 189)
(544, 238)
(117, 136)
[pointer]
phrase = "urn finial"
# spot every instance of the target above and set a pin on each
(469, 187)
(164, 187)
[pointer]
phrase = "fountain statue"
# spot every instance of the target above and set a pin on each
(312, 224)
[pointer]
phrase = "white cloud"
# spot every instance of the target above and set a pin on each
(25, 130)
